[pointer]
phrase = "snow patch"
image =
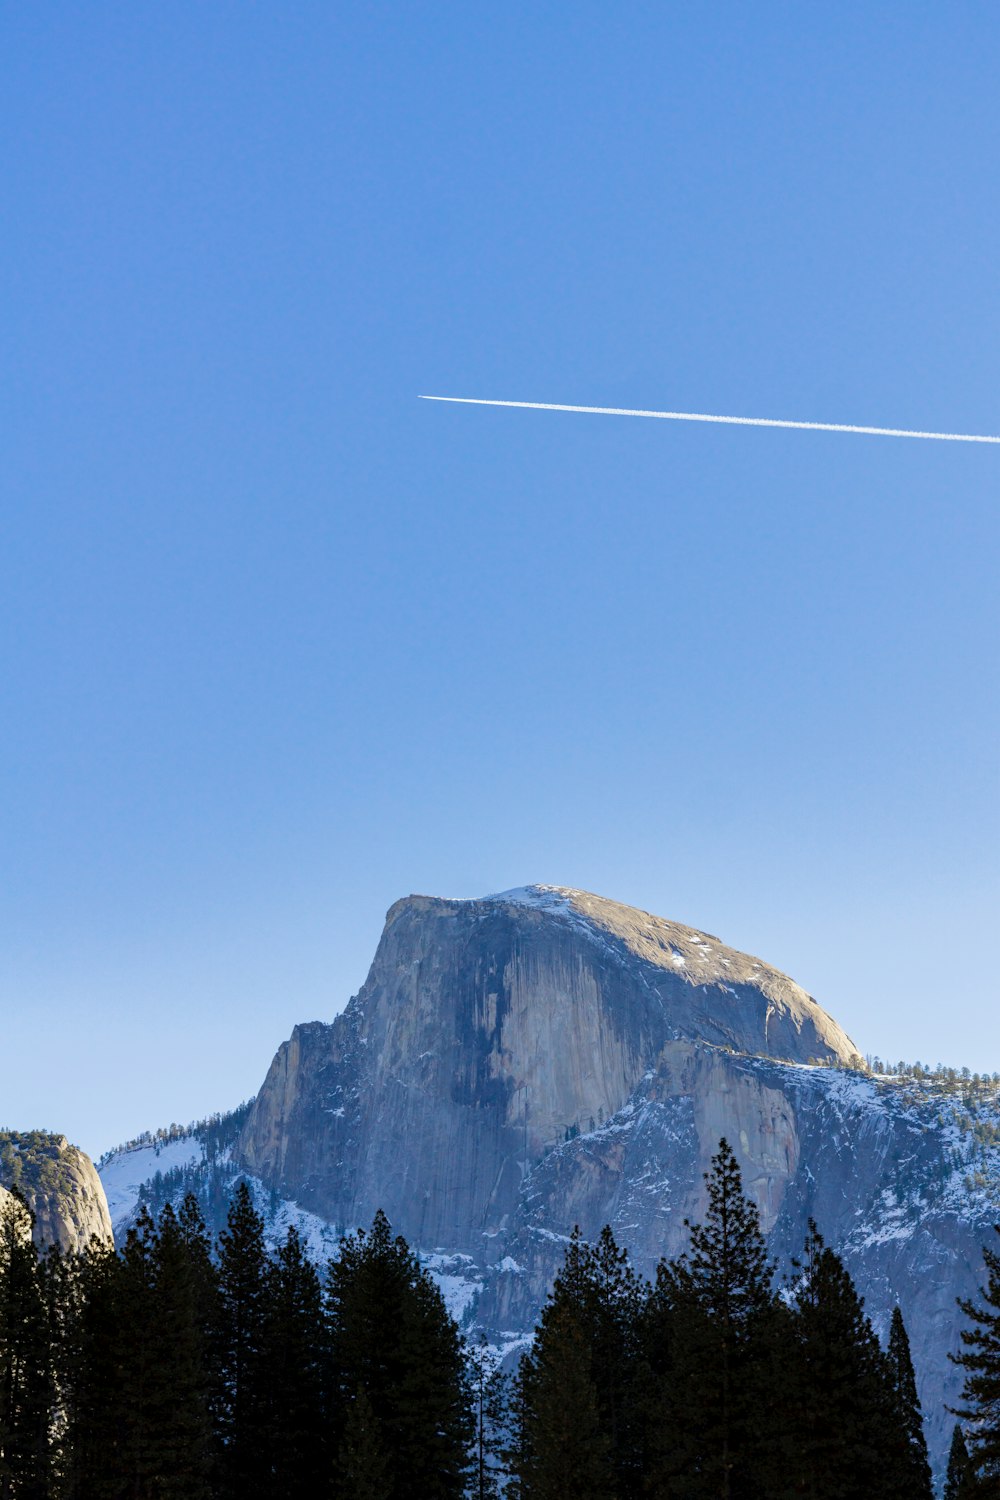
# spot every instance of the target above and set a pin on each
(456, 1279)
(124, 1174)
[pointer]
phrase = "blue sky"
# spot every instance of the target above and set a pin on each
(282, 643)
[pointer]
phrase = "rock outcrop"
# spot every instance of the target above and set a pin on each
(61, 1186)
(489, 1032)
(520, 1064)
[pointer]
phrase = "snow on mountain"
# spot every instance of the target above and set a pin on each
(125, 1172)
(543, 1057)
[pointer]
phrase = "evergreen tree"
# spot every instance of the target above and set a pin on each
(243, 1265)
(294, 1427)
(25, 1361)
(135, 1391)
(847, 1436)
(712, 1311)
(392, 1339)
(61, 1284)
(564, 1449)
(591, 1320)
(207, 1300)
(364, 1462)
(613, 1307)
(93, 1376)
(981, 1391)
(493, 1401)
(179, 1378)
(913, 1469)
(136, 1377)
(960, 1481)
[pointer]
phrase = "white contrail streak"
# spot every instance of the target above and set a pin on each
(695, 416)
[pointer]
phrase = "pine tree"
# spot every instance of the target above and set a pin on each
(914, 1470)
(26, 1394)
(713, 1309)
(564, 1450)
(94, 1375)
(138, 1368)
(493, 1398)
(613, 1310)
(61, 1285)
(391, 1337)
(364, 1463)
(593, 1310)
(959, 1483)
(179, 1378)
(847, 1436)
(293, 1429)
(131, 1469)
(980, 1360)
(207, 1299)
(243, 1265)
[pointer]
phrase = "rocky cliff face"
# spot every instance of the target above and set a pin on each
(487, 1033)
(61, 1186)
(544, 1058)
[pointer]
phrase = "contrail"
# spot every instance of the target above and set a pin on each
(696, 416)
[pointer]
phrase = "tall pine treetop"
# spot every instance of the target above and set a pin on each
(915, 1469)
(728, 1268)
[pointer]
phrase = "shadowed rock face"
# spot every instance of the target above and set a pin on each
(61, 1186)
(544, 1058)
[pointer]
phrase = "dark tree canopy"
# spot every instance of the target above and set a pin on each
(392, 1338)
(714, 1308)
(167, 1371)
(293, 1438)
(242, 1283)
(960, 1479)
(846, 1431)
(578, 1386)
(26, 1385)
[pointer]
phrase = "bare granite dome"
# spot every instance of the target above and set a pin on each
(61, 1186)
(490, 1031)
(542, 1058)
(699, 959)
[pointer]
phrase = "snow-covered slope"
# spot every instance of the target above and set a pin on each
(155, 1174)
(126, 1172)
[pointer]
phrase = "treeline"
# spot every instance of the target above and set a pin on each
(955, 1079)
(215, 1131)
(173, 1370)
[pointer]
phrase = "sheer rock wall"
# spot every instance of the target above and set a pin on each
(488, 1032)
(517, 1065)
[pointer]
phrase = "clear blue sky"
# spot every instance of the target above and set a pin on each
(282, 643)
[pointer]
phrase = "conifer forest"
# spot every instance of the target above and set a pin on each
(174, 1369)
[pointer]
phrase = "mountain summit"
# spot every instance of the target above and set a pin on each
(516, 1065)
(488, 1033)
